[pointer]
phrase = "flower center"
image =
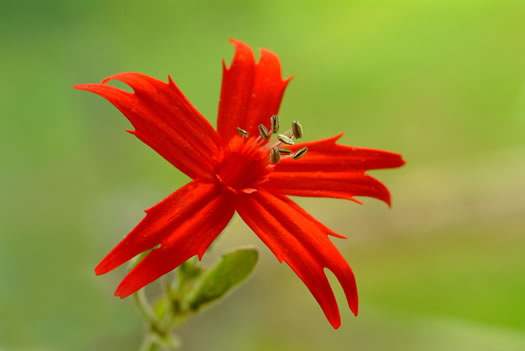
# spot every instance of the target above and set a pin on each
(247, 160)
(244, 164)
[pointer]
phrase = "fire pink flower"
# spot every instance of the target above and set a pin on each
(244, 166)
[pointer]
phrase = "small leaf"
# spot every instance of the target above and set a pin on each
(161, 307)
(231, 270)
(189, 271)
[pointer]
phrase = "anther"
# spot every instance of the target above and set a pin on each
(285, 140)
(264, 132)
(274, 123)
(275, 156)
(300, 153)
(242, 132)
(297, 129)
(284, 151)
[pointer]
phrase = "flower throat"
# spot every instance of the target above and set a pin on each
(247, 160)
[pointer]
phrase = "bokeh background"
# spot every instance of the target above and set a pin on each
(440, 81)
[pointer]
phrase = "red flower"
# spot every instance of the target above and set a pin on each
(233, 172)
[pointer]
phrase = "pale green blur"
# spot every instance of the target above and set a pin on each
(440, 81)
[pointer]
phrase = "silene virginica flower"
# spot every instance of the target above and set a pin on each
(247, 166)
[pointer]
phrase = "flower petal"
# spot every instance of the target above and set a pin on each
(188, 235)
(333, 170)
(161, 221)
(251, 93)
(165, 120)
(302, 242)
(341, 185)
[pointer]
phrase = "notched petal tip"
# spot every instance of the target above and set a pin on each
(281, 224)
(250, 92)
(164, 119)
(334, 170)
(184, 225)
(243, 53)
(270, 58)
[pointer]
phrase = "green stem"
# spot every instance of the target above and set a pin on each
(150, 344)
(143, 306)
(159, 337)
(146, 311)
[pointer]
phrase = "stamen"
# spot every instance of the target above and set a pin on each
(275, 156)
(284, 151)
(300, 153)
(285, 140)
(274, 123)
(264, 132)
(242, 132)
(297, 129)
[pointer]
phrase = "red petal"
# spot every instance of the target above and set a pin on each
(161, 221)
(188, 235)
(251, 93)
(332, 170)
(328, 184)
(302, 242)
(165, 120)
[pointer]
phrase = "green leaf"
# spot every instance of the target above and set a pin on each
(190, 270)
(161, 306)
(231, 270)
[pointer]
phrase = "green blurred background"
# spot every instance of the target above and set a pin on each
(440, 81)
